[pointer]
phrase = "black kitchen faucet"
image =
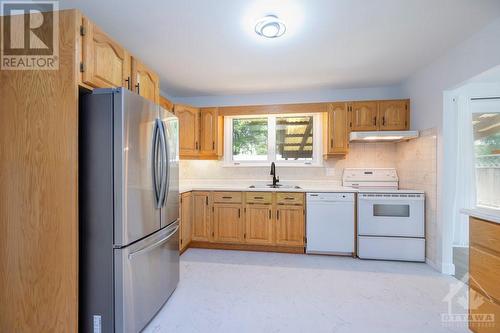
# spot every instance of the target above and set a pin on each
(273, 173)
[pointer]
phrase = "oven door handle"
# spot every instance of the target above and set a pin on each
(391, 198)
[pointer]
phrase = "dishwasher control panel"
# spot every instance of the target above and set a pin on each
(331, 196)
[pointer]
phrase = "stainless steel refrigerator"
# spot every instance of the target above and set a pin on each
(129, 210)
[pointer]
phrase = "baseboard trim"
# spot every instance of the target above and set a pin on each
(246, 247)
(432, 264)
(448, 269)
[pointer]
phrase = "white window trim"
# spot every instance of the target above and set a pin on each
(317, 160)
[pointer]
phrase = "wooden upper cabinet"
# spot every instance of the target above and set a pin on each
(105, 63)
(227, 223)
(394, 115)
(259, 224)
(145, 82)
(290, 226)
(188, 129)
(200, 228)
(208, 131)
(166, 104)
(364, 116)
(337, 141)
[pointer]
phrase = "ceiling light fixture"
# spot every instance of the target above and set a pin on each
(270, 26)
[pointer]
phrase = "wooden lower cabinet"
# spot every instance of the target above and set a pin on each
(262, 221)
(259, 224)
(186, 218)
(201, 228)
(484, 270)
(227, 223)
(290, 226)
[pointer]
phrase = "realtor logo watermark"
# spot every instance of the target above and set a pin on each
(30, 35)
(460, 304)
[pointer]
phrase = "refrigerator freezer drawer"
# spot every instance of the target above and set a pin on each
(391, 248)
(146, 274)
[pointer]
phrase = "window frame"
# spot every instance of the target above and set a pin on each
(476, 105)
(317, 160)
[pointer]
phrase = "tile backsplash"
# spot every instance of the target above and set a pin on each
(417, 169)
(377, 155)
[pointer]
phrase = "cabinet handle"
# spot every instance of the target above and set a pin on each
(277, 214)
(196, 145)
(138, 88)
(269, 214)
(258, 197)
(375, 120)
(213, 145)
(289, 198)
(383, 121)
(331, 143)
(239, 212)
(227, 197)
(206, 200)
(128, 82)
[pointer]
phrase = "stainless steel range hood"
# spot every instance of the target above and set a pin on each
(383, 136)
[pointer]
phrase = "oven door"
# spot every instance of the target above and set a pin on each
(387, 214)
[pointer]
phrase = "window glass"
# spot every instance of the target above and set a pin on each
(250, 139)
(294, 138)
(486, 130)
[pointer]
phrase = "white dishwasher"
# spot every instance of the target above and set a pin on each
(330, 223)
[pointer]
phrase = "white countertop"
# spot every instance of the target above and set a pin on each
(305, 186)
(482, 214)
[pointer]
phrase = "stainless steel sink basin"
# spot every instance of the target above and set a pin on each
(275, 186)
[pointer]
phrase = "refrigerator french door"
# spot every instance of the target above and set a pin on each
(129, 258)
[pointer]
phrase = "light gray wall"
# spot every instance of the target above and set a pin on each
(310, 96)
(425, 88)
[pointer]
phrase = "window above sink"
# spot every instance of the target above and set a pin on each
(287, 140)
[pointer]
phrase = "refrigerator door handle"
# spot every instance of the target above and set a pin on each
(148, 248)
(163, 164)
(154, 163)
(167, 165)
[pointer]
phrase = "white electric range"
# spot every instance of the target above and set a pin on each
(391, 223)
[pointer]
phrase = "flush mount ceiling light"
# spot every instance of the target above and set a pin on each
(270, 26)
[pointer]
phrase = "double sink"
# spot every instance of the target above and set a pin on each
(275, 186)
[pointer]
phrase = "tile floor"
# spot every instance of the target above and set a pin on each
(233, 291)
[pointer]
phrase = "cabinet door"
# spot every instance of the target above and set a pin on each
(145, 82)
(188, 130)
(208, 131)
(290, 225)
(166, 104)
(258, 224)
(186, 215)
(227, 223)
(106, 64)
(338, 142)
(394, 115)
(201, 217)
(364, 116)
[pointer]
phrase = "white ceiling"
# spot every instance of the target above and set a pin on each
(208, 47)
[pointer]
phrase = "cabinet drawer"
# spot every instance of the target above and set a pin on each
(233, 197)
(259, 197)
(485, 234)
(484, 272)
(488, 313)
(289, 198)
